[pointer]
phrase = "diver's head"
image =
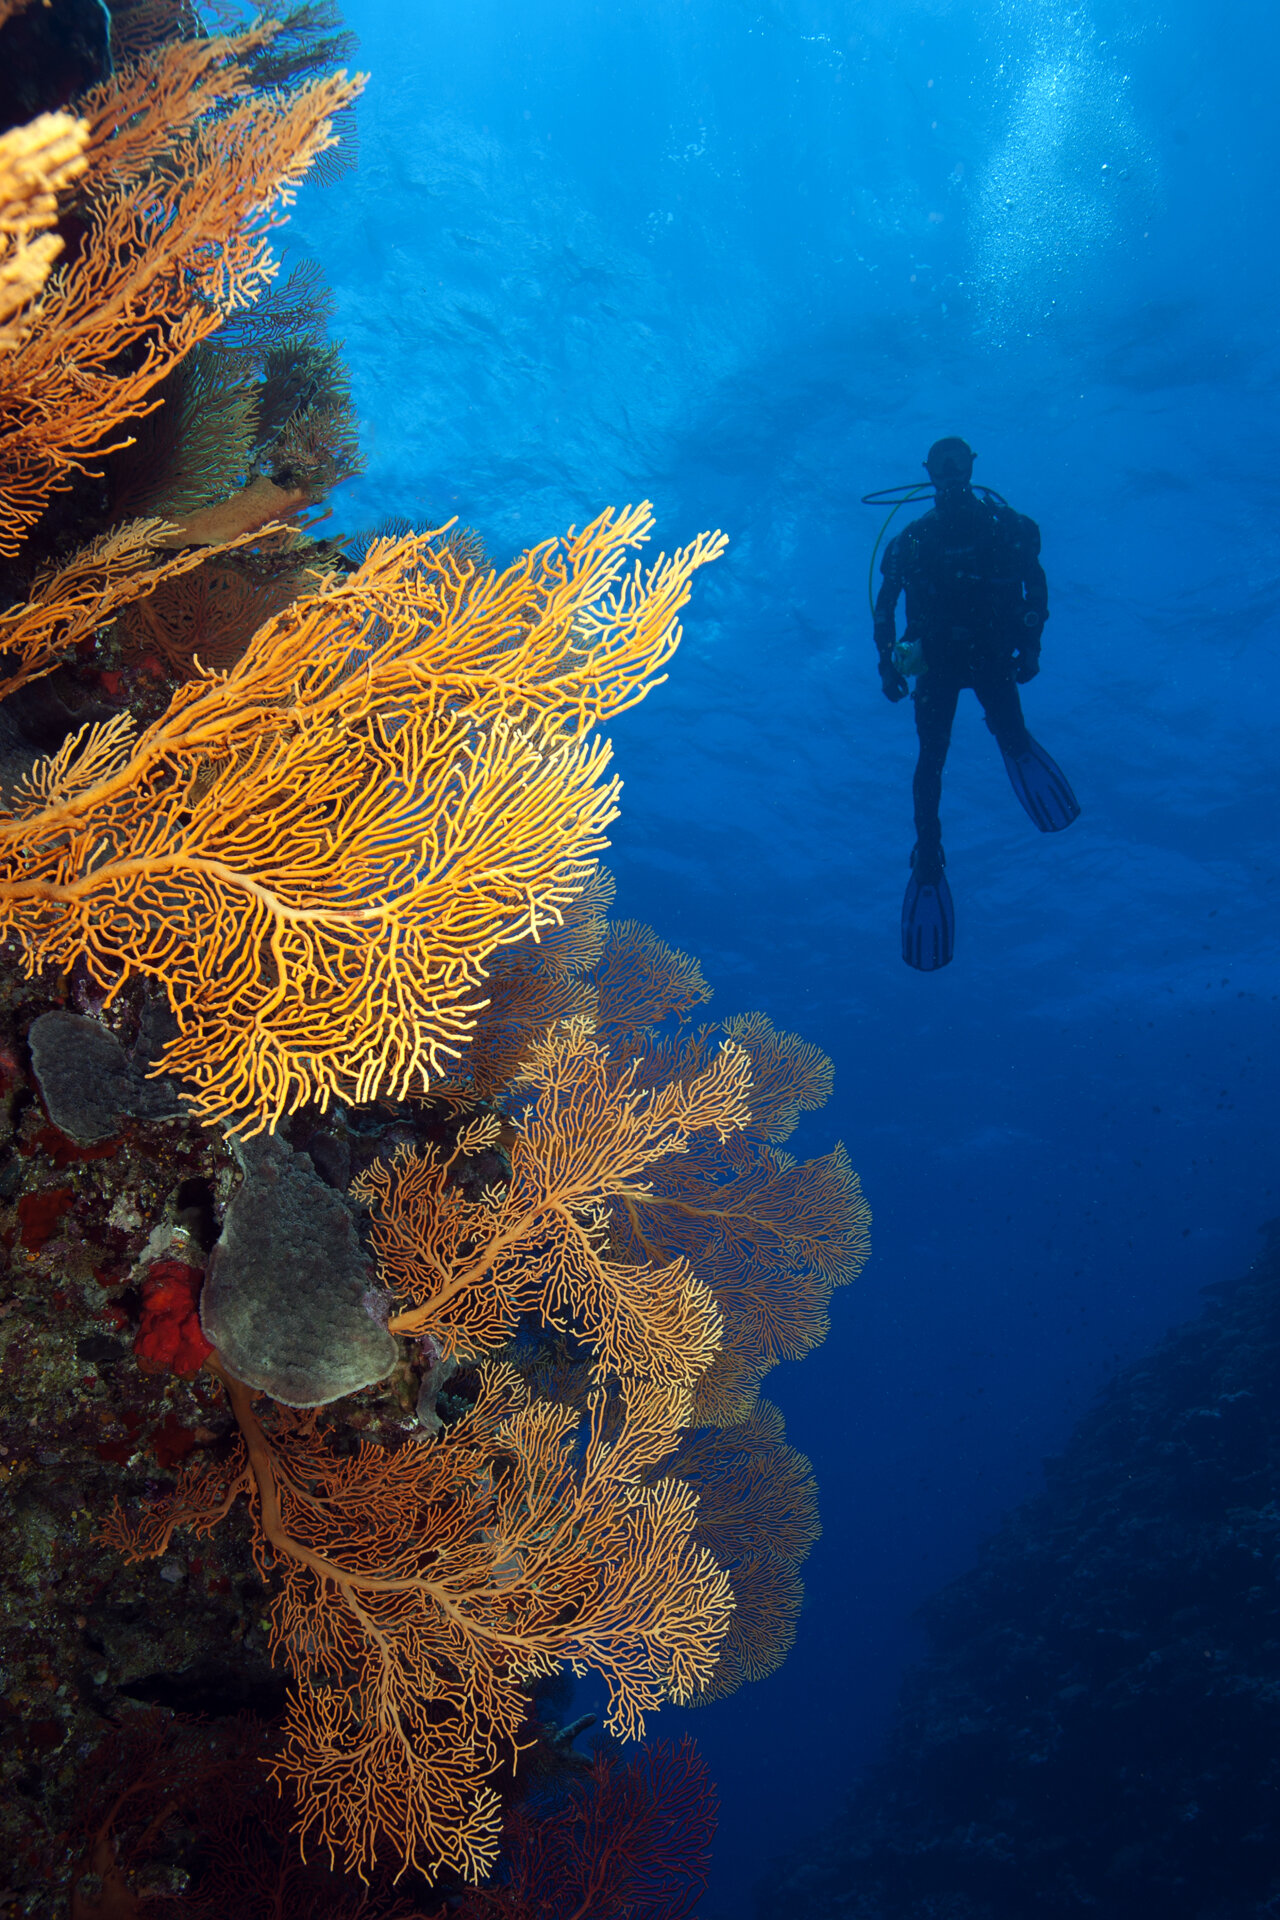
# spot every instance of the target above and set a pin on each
(949, 464)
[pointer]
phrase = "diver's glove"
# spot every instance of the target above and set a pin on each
(892, 683)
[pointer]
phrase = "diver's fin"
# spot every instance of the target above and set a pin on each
(928, 914)
(1042, 787)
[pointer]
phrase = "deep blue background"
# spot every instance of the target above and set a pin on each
(749, 260)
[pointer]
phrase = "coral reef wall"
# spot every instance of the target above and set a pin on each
(1096, 1727)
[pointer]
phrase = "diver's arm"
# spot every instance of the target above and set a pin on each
(892, 682)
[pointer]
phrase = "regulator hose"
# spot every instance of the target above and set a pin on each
(904, 496)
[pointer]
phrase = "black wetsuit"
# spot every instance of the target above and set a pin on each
(976, 601)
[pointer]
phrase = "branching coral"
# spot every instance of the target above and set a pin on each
(139, 25)
(541, 1244)
(139, 1779)
(357, 856)
(205, 618)
(533, 986)
(70, 603)
(640, 981)
(631, 1835)
(758, 1516)
(316, 853)
(420, 1588)
(633, 1839)
(187, 173)
(771, 1236)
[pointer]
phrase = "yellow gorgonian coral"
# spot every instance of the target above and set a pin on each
(771, 1236)
(316, 853)
(758, 1517)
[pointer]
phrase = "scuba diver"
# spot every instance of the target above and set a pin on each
(976, 603)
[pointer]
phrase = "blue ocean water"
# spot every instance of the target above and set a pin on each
(748, 261)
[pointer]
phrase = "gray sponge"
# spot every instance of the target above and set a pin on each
(290, 1298)
(90, 1084)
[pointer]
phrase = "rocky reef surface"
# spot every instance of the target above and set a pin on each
(1096, 1728)
(103, 1401)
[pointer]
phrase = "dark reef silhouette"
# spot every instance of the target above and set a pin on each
(1096, 1727)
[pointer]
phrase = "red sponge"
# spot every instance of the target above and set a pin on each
(169, 1338)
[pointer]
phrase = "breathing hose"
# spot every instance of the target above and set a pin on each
(904, 496)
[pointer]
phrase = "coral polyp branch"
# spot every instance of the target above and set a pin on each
(634, 1838)
(345, 886)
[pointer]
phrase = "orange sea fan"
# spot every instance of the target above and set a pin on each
(571, 633)
(533, 986)
(421, 1588)
(573, 946)
(758, 1516)
(632, 1838)
(640, 981)
(519, 1007)
(186, 175)
(69, 603)
(540, 1245)
(769, 1235)
(316, 853)
(789, 1076)
(139, 25)
(768, 1595)
(206, 617)
(757, 1495)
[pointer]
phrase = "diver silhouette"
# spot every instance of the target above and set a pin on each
(976, 603)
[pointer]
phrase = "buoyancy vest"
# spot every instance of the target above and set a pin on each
(965, 575)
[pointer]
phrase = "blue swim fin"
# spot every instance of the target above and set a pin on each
(1042, 787)
(928, 914)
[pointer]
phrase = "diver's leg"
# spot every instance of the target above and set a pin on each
(928, 916)
(1039, 782)
(998, 692)
(935, 699)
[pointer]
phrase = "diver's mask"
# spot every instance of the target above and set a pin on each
(949, 464)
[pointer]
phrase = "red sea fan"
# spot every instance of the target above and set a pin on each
(629, 1842)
